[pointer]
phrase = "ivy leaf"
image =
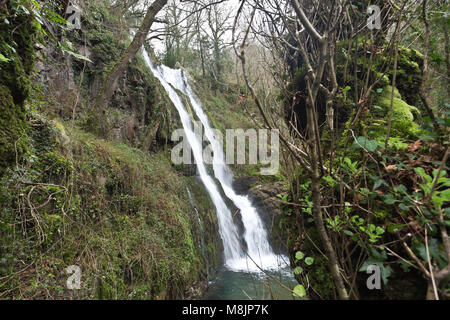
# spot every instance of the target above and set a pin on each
(298, 270)
(386, 271)
(378, 183)
(309, 260)
(299, 255)
(400, 188)
(369, 145)
(433, 249)
(390, 200)
(405, 267)
(299, 291)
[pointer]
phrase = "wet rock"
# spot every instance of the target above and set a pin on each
(196, 291)
(264, 198)
(243, 185)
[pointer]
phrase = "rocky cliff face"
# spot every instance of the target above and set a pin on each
(139, 114)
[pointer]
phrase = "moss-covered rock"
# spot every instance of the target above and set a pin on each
(402, 111)
(17, 46)
(403, 115)
(12, 130)
(409, 74)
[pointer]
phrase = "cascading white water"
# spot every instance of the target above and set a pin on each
(258, 247)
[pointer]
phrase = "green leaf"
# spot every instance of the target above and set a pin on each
(299, 291)
(299, 255)
(405, 267)
(390, 200)
(3, 58)
(437, 201)
(385, 270)
(421, 172)
(445, 195)
(369, 145)
(330, 180)
(392, 227)
(309, 260)
(379, 230)
(400, 188)
(378, 183)
(349, 233)
(56, 18)
(298, 270)
(76, 55)
(433, 249)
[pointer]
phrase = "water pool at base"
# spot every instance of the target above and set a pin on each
(232, 285)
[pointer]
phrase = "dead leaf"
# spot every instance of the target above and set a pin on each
(391, 167)
(415, 146)
(419, 162)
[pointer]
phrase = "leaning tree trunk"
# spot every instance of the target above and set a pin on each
(120, 66)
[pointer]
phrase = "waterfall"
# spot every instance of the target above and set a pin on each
(201, 232)
(255, 235)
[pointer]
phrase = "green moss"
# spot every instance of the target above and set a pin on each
(403, 114)
(17, 45)
(409, 75)
(12, 130)
(320, 277)
(401, 110)
(382, 213)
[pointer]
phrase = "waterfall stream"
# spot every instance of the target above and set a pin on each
(258, 248)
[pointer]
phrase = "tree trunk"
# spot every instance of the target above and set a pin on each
(120, 66)
(317, 210)
(423, 91)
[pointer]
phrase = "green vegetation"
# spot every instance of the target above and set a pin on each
(17, 53)
(101, 206)
(85, 171)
